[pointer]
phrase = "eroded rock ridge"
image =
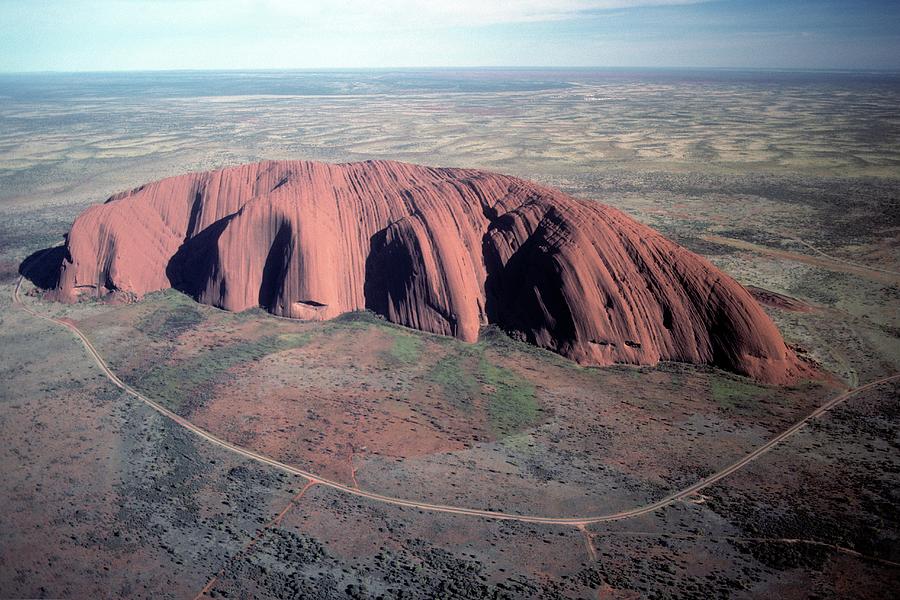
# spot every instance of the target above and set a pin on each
(441, 250)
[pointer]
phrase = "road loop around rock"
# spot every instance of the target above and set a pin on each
(578, 522)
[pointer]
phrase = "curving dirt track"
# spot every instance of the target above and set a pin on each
(840, 260)
(823, 261)
(488, 514)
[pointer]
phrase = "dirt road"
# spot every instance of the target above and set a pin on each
(822, 260)
(487, 514)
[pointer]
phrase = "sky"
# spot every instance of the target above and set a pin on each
(122, 35)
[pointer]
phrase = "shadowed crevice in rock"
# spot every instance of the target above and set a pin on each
(387, 273)
(42, 268)
(194, 217)
(399, 286)
(540, 313)
(194, 258)
(275, 268)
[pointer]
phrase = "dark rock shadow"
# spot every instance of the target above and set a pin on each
(520, 294)
(384, 279)
(189, 268)
(275, 268)
(42, 268)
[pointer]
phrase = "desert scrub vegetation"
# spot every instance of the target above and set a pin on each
(170, 322)
(406, 348)
(467, 375)
(185, 385)
(360, 319)
(512, 404)
(456, 379)
(170, 313)
(494, 338)
(731, 393)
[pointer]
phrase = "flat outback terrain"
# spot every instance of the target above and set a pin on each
(163, 448)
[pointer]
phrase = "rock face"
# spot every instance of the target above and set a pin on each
(440, 250)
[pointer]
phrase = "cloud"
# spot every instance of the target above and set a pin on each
(155, 34)
(451, 13)
(336, 16)
(427, 13)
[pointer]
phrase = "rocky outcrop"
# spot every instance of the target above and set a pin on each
(440, 250)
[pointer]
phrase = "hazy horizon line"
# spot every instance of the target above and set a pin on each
(461, 67)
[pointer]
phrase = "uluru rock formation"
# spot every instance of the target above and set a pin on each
(440, 250)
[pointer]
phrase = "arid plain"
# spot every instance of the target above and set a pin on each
(789, 182)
